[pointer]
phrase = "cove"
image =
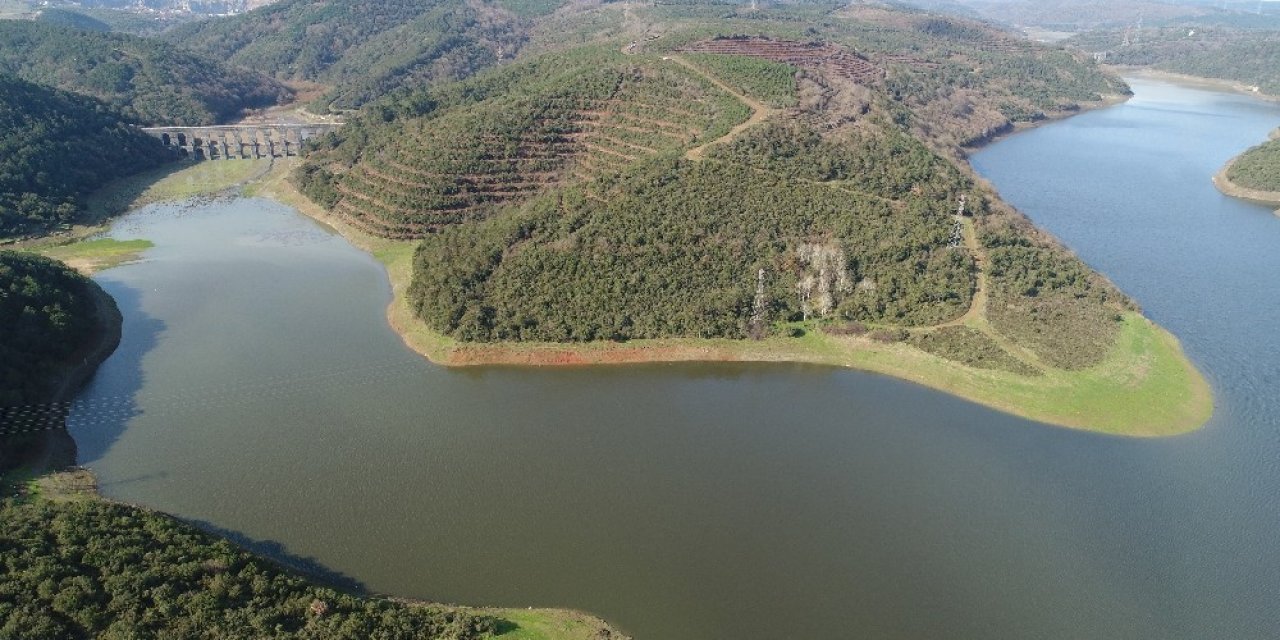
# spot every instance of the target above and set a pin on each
(259, 390)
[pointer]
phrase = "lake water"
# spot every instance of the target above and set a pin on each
(258, 390)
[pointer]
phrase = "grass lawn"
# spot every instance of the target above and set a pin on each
(91, 256)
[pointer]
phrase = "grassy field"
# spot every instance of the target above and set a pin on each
(92, 256)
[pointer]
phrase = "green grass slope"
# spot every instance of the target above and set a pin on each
(55, 148)
(149, 82)
(363, 49)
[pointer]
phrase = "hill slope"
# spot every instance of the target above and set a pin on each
(717, 187)
(149, 82)
(1258, 168)
(363, 49)
(56, 147)
(1250, 56)
(48, 314)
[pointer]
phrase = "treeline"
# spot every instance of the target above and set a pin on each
(55, 147)
(92, 569)
(1258, 168)
(147, 81)
(48, 314)
(364, 49)
(1250, 56)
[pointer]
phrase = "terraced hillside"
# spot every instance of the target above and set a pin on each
(561, 124)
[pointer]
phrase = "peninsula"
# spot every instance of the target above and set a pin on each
(1254, 174)
(704, 189)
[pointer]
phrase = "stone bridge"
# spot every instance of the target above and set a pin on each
(246, 141)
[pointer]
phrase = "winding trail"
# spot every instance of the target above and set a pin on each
(759, 111)
(976, 316)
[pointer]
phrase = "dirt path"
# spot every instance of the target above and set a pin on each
(978, 305)
(759, 112)
(976, 316)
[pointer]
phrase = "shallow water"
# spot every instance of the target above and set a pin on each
(259, 390)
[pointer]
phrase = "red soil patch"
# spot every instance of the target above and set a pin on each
(555, 356)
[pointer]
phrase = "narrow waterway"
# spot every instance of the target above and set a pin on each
(258, 390)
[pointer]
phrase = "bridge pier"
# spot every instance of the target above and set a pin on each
(239, 141)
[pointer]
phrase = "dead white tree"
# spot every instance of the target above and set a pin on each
(825, 280)
(758, 308)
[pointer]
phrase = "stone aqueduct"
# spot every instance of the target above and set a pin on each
(239, 141)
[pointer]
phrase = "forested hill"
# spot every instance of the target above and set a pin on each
(147, 81)
(1258, 168)
(363, 48)
(55, 147)
(721, 176)
(1249, 56)
(48, 314)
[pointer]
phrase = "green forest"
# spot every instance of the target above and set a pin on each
(56, 147)
(362, 49)
(48, 314)
(147, 81)
(1250, 56)
(1258, 168)
(93, 569)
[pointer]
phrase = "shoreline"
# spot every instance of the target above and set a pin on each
(1170, 398)
(1218, 84)
(57, 449)
(52, 467)
(1229, 188)
(1015, 128)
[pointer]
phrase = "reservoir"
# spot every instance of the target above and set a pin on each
(259, 392)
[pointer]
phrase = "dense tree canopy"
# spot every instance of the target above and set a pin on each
(1251, 56)
(147, 81)
(1258, 168)
(56, 147)
(91, 569)
(47, 314)
(362, 47)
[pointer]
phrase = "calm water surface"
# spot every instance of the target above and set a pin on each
(259, 391)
